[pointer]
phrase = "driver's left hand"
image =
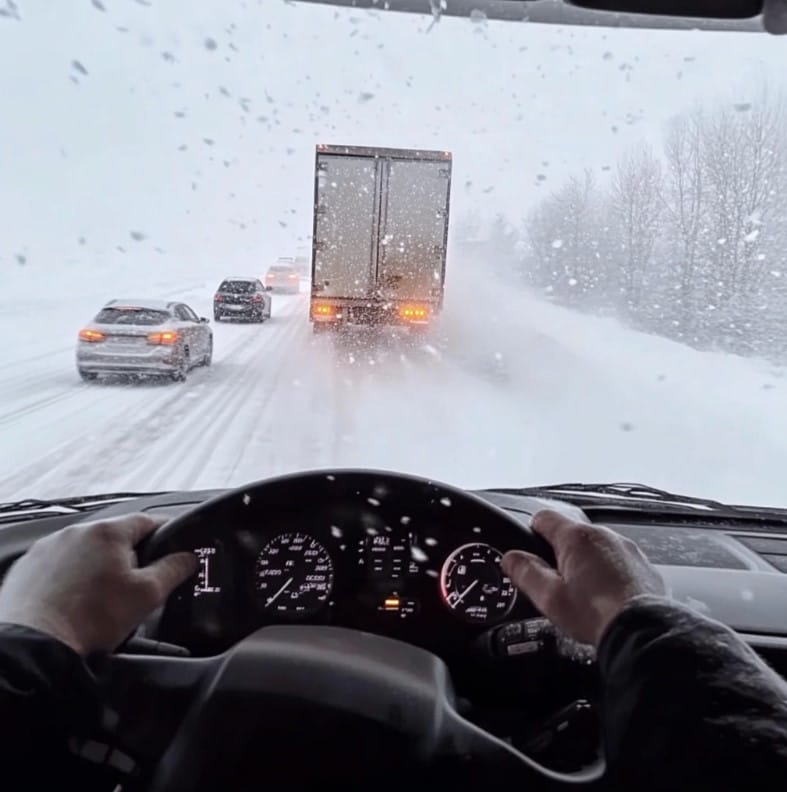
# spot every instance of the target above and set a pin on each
(82, 585)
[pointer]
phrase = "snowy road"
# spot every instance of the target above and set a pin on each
(536, 394)
(275, 399)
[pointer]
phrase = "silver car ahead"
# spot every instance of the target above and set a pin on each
(144, 337)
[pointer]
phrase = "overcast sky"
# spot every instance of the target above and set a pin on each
(194, 123)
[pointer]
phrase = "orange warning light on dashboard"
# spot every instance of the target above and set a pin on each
(391, 603)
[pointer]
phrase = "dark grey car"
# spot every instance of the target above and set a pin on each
(144, 337)
(242, 298)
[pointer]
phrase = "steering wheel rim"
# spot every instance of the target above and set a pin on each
(303, 662)
(162, 541)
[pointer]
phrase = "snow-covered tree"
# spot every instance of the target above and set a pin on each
(565, 234)
(690, 241)
(635, 208)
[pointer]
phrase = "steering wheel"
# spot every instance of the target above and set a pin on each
(311, 704)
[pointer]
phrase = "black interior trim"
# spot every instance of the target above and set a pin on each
(741, 15)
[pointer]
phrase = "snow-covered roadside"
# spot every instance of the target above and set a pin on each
(608, 403)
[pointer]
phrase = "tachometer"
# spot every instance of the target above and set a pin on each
(293, 575)
(473, 585)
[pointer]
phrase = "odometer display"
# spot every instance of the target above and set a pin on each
(473, 586)
(293, 575)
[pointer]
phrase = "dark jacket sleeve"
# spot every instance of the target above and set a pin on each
(688, 705)
(47, 695)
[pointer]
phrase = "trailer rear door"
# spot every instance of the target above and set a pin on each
(345, 254)
(411, 260)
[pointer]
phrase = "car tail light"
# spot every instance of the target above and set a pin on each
(166, 337)
(91, 335)
(257, 298)
(218, 298)
(292, 277)
(413, 313)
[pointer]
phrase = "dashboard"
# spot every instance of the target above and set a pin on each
(372, 566)
(430, 577)
(423, 567)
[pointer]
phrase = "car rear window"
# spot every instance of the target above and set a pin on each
(131, 316)
(280, 269)
(237, 287)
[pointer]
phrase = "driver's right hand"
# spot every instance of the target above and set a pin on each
(598, 573)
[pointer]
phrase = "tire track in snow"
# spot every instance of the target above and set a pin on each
(70, 464)
(39, 404)
(142, 454)
(229, 418)
(19, 386)
(284, 435)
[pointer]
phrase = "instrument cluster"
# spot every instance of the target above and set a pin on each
(437, 585)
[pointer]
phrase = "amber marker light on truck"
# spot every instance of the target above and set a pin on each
(413, 313)
(323, 310)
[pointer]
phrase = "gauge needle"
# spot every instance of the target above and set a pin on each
(464, 593)
(282, 589)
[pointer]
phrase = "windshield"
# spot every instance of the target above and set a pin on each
(550, 254)
(131, 316)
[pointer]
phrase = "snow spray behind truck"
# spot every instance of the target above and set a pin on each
(380, 236)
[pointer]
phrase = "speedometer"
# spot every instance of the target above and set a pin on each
(473, 585)
(293, 575)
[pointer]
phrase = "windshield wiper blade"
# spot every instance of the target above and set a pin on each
(82, 503)
(624, 491)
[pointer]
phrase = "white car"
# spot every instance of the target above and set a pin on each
(282, 277)
(144, 337)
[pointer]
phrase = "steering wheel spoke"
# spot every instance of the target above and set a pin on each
(147, 698)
